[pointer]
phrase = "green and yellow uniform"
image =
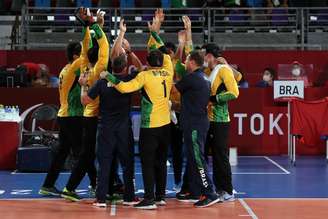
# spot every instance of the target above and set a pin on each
(70, 90)
(91, 109)
(225, 88)
(156, 85)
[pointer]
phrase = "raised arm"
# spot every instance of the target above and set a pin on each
(188, 44)
(85, 47)
(117, 47)
(155, 41)
(103, 54)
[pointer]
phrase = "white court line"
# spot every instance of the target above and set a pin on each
(247, 208)
(113, 210)
(277, 165)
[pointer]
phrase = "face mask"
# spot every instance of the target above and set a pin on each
(296, 72)
(205, 65)
(266, 78)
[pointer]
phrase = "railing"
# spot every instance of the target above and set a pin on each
(233, 28)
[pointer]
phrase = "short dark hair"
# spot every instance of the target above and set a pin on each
(93, 55)
(213, 49)
(73, 48)
(271, 71)
(119, 63)
(171, 46)
(197, 57)
(155, 58)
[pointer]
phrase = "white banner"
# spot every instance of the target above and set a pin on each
(288, 89)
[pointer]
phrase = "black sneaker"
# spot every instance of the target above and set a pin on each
(53, 191)
(182, 194)
(146, 204)
(186, 197)
(206, 201)
(70, 195)
(160, 201)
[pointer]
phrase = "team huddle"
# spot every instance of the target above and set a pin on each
(184, 105)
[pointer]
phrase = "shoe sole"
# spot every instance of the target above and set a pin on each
(69, 198)
(49, 193)
(150, 207)
(161, 203)
(211, 203)
(188, 201)
(99, 206)
(129, 203)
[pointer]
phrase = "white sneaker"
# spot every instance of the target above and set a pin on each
(131, 203)
(100, 204)
(161, 202)
(226, 197)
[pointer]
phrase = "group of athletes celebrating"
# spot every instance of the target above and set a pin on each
(184, 105)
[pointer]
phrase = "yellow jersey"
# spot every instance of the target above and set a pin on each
(70, 90)
(224, 87)
(92, 109)
(156, 87)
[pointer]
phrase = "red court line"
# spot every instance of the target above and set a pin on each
(262, 208)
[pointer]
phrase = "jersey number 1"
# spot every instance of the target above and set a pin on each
(164, 85)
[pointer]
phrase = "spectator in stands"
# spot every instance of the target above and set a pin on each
(299, 73)
(42, 78)
(268, 77)
(37, 74)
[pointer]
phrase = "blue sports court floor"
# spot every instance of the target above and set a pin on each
(253, 177)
